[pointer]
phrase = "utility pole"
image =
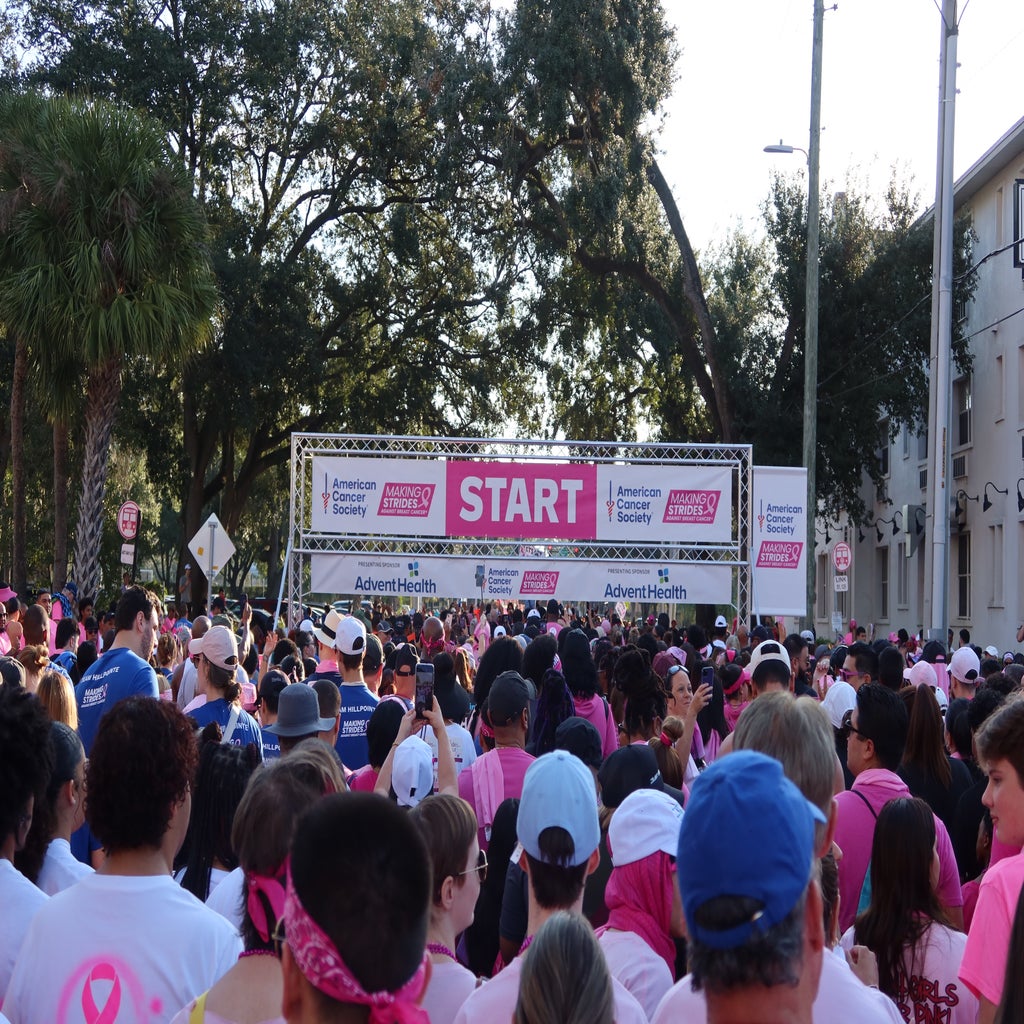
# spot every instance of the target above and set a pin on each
(939, 395)
(810, 445)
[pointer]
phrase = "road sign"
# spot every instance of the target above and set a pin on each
(841, 584)
(128, 520)
(842, 556)
(127, 554)
(837, 623)
(211, 547)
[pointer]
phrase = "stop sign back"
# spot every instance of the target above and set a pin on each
(842, 556)
(128, 520)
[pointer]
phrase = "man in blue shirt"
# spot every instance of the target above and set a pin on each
(124, 669)
(357, 703)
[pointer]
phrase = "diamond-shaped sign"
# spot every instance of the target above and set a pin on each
(211, 547)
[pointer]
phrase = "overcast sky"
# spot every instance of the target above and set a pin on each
(744, 82)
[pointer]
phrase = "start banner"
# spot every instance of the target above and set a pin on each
(533, 500)
(419, 576)
(779, 541)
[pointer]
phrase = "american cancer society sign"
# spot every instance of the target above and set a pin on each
(523, 500)
(779, 534)
(514, 579)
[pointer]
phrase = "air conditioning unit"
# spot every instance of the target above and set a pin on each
(960, 466)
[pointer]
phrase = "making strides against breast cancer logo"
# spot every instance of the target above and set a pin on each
(779, 554)
(401, 499)
(539, 582)
(692, 507)
(105, 992)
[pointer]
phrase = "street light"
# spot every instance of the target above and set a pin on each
(811, 293)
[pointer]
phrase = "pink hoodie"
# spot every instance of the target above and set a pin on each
(855, 831)
(596, 711)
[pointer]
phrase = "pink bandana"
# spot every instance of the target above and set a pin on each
(322, 965)
(273, 892)
(639, 900)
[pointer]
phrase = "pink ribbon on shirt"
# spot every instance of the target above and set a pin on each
(108, 1013)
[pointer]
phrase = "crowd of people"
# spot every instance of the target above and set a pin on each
(534, 814)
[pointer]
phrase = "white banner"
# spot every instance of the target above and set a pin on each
(779, 541)
(672, 504)
(418, 576)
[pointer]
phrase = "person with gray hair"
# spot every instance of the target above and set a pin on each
(797, 733)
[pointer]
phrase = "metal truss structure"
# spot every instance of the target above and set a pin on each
(303, 542)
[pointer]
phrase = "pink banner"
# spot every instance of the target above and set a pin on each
(544, 500)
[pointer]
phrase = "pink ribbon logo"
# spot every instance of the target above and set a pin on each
(108, 1013)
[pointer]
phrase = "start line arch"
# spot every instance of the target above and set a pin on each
(446, 517)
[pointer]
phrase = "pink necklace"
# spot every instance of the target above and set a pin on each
(441, 950)
(256, 952)
(526, 944)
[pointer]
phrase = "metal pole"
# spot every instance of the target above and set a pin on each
(942, 322)
(811, 305)
(209, 572)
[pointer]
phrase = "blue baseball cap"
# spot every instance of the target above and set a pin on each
(559, 789)
(745, 803)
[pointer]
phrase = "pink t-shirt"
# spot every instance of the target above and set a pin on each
(505, 767)
(855, 831)
(841, 999)
(596, 711)
(984, 964)
(495, 1001)
(935, 993)
(362, 780)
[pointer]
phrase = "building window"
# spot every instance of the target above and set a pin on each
(821, 580)
(922, 443)
(902, 576)
(996, 548)
(1000, 389)
(883, 582)
(962, 411)
(963, 576)
(883, 450)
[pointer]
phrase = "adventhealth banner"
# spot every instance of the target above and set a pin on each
(426, 576)
(779, 534)
(523, 500)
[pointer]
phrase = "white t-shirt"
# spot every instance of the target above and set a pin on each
(842, 999)
(936, 991)
(61, 869)
(637, 966)
(450, 986)
(217, 875)
(463, 747)
(187, 686)
(20, 901)
(226, 898)
(120, 949)
(495, 1000)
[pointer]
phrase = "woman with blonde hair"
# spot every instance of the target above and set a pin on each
(565, 979)
(34, 658)
(57, 695)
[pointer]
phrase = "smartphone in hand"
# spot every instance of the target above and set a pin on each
(424, 687)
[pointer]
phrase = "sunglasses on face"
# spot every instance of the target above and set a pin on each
(848, 728)
(480, 869)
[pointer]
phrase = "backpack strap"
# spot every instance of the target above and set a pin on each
(867, 803)
(198, 1014)
(232, 723)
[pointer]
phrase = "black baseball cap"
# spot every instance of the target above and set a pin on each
(580, 737)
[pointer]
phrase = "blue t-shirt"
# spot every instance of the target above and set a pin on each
(271, 746)
(247, 729)
(119, 673)
(357, 704)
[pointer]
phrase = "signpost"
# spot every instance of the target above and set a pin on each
(129, 519)
(212, 548)
(841, 584)
(842, 556)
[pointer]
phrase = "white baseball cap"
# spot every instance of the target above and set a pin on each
(351, 636)
(412, 771)
(964, 666)
(647, 821)
(921, 674)
(219, 646)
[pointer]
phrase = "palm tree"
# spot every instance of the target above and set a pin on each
(103, 258)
